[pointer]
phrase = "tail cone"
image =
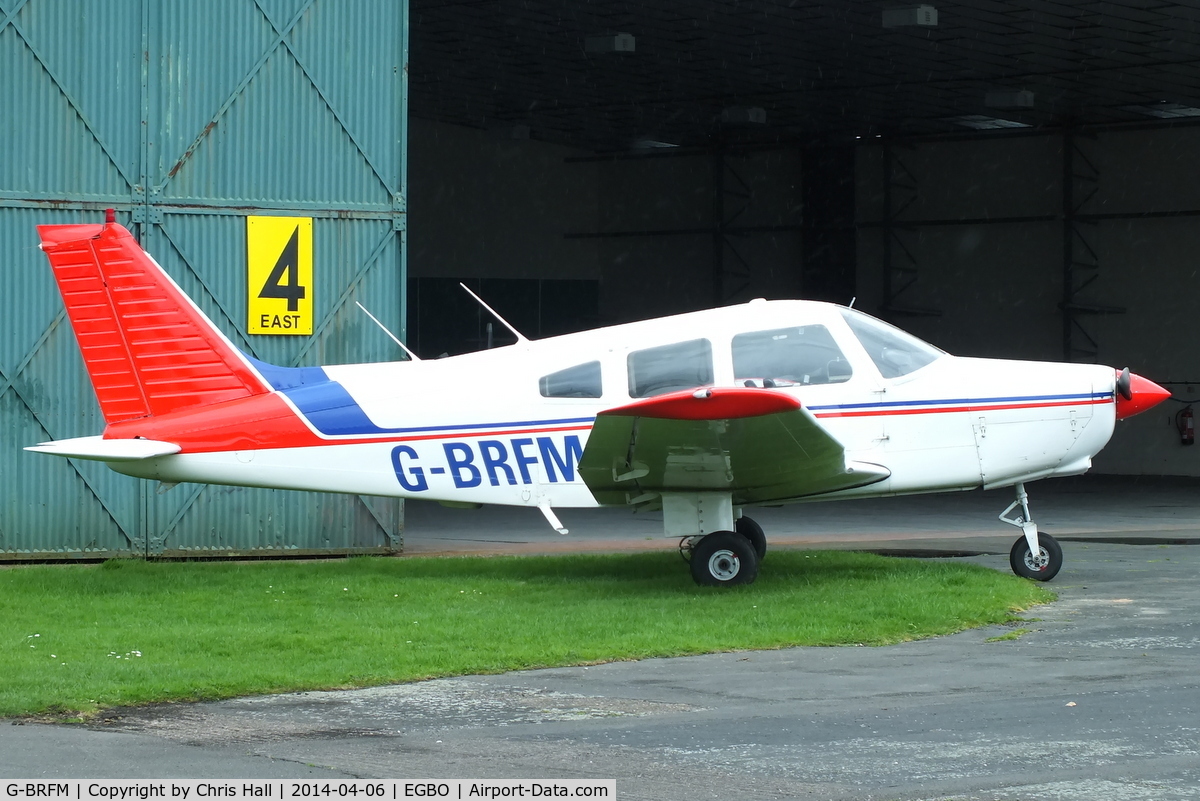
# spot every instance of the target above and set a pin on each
(1136, 394)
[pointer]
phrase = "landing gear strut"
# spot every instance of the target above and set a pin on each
(721, 547)
(1035, 555)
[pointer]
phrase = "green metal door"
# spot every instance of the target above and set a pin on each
(188, 117)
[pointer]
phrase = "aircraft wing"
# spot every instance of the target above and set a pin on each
(758, 444)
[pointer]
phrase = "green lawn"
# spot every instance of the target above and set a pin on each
(76, 638)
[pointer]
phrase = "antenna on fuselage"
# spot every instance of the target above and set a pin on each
(412, 356)
(851, 306)
(520, 337)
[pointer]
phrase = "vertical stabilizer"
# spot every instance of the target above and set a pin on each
(148, 349)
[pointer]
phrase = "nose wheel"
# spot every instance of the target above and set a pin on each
(1040, 567)
(1035, 555)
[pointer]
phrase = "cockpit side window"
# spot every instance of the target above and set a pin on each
(787, 356)
(894, 352)
(683, 365)
(580, 381)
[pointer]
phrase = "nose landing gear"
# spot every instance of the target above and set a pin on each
(1035, 555)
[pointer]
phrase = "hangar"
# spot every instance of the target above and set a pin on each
(1014, 179)
(1002, 178)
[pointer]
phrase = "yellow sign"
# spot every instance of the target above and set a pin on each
(279, 268)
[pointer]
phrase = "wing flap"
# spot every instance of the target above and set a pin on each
(757, 444)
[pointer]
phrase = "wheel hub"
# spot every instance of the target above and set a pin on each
(724, 565)
(1038, 562)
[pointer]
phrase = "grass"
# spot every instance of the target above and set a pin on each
(78, 638)
(1015, 634)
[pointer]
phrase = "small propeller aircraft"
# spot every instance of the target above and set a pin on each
(700, 414)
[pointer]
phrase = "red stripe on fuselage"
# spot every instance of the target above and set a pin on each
(951, 409)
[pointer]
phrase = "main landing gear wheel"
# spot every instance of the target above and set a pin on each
(753, 532)
(723, 559)
(1042, 567)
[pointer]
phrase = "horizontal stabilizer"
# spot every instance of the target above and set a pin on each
(106, 450)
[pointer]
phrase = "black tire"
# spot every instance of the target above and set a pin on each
(753, 532)
(1042, 569)
(723, 559)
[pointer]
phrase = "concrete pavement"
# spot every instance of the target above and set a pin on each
(1084, 508)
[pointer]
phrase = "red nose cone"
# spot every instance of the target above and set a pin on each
(1143, 394)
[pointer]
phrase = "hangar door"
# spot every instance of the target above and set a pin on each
(187, 118)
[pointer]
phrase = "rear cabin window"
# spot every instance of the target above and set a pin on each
(787, 356)
(580, 381)
(683, 365)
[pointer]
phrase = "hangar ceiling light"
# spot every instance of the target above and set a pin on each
(1008, 98)
(922, 16)
(610, 43)
(980, 122)
(646, 143)
(743, 115)
(1165, 111)
(510, 130)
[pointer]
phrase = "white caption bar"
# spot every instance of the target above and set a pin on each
(289, 789)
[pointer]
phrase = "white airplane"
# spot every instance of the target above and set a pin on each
(700, 414)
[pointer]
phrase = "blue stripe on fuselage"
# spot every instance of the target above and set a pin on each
(333, 411)
(326, 404)
(956, 401)
(285, 378)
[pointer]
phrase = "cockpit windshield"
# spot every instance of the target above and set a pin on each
(894, 352)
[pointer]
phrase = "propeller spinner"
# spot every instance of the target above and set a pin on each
(1136, 394)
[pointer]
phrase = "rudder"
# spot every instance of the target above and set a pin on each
(148, 348)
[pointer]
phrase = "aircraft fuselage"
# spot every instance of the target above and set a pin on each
(480, 428)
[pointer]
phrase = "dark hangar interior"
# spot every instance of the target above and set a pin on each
(1002, 178)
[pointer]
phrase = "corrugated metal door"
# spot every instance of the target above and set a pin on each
(187, 117)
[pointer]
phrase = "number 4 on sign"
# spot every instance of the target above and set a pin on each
(279, 267)
(289, 265)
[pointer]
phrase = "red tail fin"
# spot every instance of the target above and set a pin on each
(147, 348)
